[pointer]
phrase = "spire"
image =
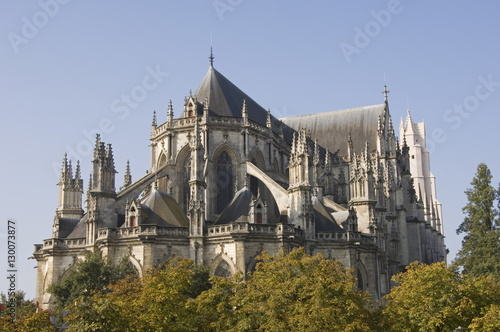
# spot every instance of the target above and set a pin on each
(268, 120)
(154, 119)
(211, 57)
(327, 160)
(69, 171)
(205, 105)
(316, 153)
(408, 124)
(97, 146)
(405, 149)
(64, 169)
(350, 147)
(127, 179)
(104, 168)
(90, 184)
(294, 145)
(109, 156)
(170, 112)
(78, 176)
(70, 192)
(244, 112)
(385, 92)
(391, 127)
(380, 129)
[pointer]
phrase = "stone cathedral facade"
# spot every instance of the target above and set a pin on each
(228, 180)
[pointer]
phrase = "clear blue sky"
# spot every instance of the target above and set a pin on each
(64, 69)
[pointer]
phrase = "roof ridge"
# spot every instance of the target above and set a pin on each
(334, 111)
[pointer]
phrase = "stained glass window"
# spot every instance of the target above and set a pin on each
(224, 181)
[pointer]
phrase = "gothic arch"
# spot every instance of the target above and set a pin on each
(137, 265)
(224, 175)
(361, 276)
(165, 260)
(183, 170)
(257, 158)
(162, 160)
(183, 153)
(233, 153)
(162, 181)
(276, 165)
(253, 264)
(222, 266)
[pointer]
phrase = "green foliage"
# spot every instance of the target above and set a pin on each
(166, 293)
(158, 302)
(94, 273)
(294, 292)
(114, 311)
(480, 252)
(298, 292)
(23, 306)
(489, 322)
(29, 322)
(437, 298)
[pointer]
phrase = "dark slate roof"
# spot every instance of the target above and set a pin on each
(226, 99)
(160, 208)
(332, 129)
(239, 206)
(322, 218)
(80, 230)
(66, 226)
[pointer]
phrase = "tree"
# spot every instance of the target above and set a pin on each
(489, 322)
(480, 252)
(94, 273)
(158, 302)
(23, 306)
(437, 298)
(114, 311)
(30, 322)
(295, 292)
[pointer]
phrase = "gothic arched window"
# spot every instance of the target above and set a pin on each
(223, 270)
(224, 181)
(359, 278)
(186, 192)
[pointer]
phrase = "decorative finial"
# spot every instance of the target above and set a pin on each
(205, 105)
(211, 57)
(78, 172)
(154, 119)
(127, 179)
(385, 92)
(244, 111)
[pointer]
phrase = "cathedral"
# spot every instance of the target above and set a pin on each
(228, 180)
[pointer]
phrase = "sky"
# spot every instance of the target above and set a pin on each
(71, 69)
